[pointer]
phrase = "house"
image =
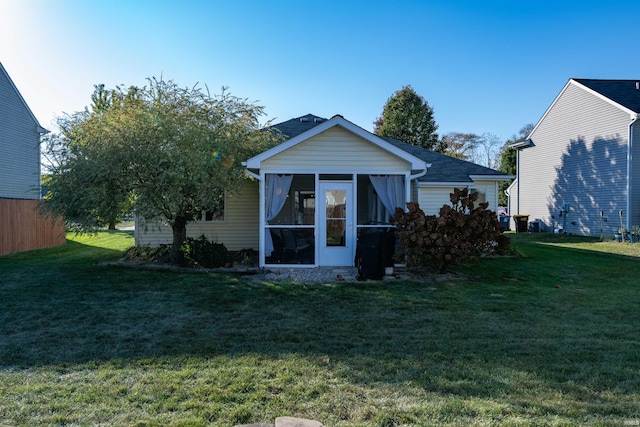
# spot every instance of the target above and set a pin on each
(579, 169)
(309, 198)
(21, 228)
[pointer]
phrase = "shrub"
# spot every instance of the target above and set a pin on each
(201, 252)
(461, 233)
(160, 254)
(244, 256)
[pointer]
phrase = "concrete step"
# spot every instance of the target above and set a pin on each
(296, 422)
(287, 422)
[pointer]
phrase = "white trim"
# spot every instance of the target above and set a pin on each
(521, 145)
(346, 253)
(261, 225)
(335, 172)
(445, 184)
(491, 177)
(604, 98)
(416, 163)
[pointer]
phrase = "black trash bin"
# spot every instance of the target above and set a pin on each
(534, 227)
(522, 223)
(505, 222)
(374, 252)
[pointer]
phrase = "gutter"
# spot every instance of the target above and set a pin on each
(634, 119)
(421, 173)
(248, 172)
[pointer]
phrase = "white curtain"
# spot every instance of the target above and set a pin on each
(390, 190)
(276, 191)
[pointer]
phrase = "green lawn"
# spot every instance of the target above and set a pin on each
(549, 338)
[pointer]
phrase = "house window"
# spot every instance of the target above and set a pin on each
(482, 195)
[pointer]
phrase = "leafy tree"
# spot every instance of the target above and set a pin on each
(407, 117)
(508, 160)
(187, 153)
(460, 145)
(480, 149)
(88, 181)
(173, 151)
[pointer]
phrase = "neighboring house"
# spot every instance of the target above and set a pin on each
(331, 181)
(21, 228)
(580, 166)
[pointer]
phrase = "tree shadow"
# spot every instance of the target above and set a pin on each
(592, 181)
(438, 340)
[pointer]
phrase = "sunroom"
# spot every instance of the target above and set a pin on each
(323, 189)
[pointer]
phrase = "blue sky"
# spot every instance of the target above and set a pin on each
(484, 66)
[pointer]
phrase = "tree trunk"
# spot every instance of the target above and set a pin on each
(179, 228)
(112, 224)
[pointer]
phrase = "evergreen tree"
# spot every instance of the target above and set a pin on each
(407, 117)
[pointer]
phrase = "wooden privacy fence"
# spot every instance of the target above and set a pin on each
(22, 228)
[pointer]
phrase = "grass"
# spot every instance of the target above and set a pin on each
(549, 338)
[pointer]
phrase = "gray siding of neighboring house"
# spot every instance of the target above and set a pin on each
(19, 145)
(635, 176)
(580, 158)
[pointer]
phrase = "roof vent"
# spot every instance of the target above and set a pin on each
(318, 120)
(637, 85)
(304, 119)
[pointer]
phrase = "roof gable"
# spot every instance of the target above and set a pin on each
(321, 126)
(39, 128)
(620, 93)
(625, 93)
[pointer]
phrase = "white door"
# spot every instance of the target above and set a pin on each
(336, 237)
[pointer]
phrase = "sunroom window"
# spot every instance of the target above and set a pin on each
(291, 230)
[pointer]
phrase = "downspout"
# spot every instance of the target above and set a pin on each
(421, 173)
(518, 182)
(634, 119)
(414, 177)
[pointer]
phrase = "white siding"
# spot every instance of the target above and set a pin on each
(490, 189)
(238, 231)
(335, 150)
(580, 158)
(513, 198)
(432, 198)
(19, 145)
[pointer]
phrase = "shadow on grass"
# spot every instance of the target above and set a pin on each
(475, 339)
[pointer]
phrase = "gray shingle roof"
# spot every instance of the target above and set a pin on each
(294, 127)
(623, 92)
(443, 168)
